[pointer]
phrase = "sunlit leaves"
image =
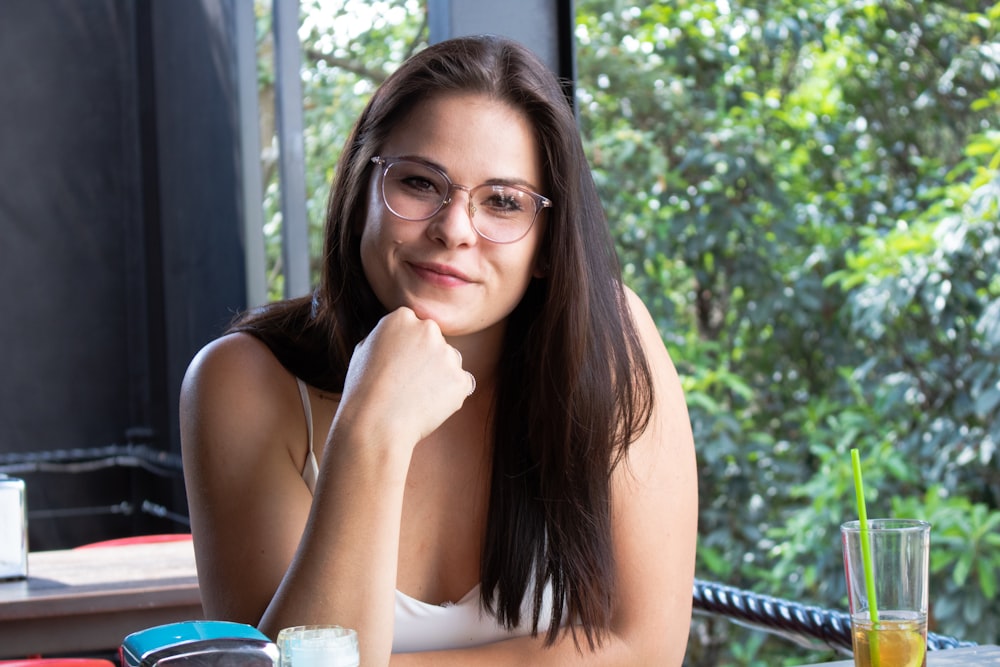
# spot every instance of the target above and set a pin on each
(805, 192)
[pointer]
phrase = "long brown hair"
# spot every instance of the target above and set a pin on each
(574, 388)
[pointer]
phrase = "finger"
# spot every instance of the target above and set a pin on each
(459, 353)
(473, 389)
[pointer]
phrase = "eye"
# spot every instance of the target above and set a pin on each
(502, 201)
(419, 185)
(416, 181)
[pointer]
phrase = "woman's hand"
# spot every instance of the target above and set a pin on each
(404, 380)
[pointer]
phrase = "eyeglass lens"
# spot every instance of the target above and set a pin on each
(415, 191)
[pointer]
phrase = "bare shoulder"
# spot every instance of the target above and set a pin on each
(649, 335)
(640, 313)
(671, 427)
(236, 354)
(236, 391)
(237, 364)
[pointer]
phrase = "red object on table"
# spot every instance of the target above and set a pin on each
(58, 662)
(138, 539)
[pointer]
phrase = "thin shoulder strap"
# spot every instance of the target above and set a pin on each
(310, 471)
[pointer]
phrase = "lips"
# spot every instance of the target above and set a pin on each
(440, 273)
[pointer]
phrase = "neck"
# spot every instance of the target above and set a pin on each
(481, 354)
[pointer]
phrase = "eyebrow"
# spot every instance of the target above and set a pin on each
(515, 181)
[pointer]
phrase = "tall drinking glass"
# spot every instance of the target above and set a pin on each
(889, 609)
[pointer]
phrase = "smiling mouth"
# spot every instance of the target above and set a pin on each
(440, 272)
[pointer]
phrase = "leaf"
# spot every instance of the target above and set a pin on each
(962, 568)
(716, 563)
(988, 579)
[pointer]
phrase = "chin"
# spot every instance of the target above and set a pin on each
(449, 327)
(454, 320)
(445, 320)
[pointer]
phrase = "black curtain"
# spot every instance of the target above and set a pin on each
(120, 249)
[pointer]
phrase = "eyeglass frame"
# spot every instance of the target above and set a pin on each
(385, 162)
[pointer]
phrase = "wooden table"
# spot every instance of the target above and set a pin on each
(956, 657)
(88, 600)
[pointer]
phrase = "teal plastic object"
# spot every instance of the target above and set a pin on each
(199, 644)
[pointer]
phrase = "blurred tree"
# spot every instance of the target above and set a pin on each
(807, 195)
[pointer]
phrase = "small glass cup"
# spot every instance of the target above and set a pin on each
(900, 556)
(318, 646)
(13, 529)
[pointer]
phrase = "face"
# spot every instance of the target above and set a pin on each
(440, 267)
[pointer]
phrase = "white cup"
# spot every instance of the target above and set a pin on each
(318, 646)
(13, 529)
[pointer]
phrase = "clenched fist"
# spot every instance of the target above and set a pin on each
(404, 379)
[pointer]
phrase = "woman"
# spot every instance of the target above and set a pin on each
(469, 444)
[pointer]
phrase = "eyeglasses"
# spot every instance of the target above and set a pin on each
(416, 191)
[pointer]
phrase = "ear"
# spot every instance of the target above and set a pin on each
(541, 269)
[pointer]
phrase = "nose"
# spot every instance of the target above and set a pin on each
(453, 225)
(468, 192)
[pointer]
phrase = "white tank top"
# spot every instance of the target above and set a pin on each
(420, 626)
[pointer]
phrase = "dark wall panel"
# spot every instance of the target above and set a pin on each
(198, 141)
(120, 251)
(68, 192)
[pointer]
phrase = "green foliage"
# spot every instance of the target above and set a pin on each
(807, 195)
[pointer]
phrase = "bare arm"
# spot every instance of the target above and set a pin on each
(241, 421)
(268, 552)
(655, 511)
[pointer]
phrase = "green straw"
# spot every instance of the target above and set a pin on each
(866, 557)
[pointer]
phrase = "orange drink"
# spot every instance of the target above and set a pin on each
(899, 639)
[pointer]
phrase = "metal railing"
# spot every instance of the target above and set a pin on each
(807, 625)
(91, 459)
